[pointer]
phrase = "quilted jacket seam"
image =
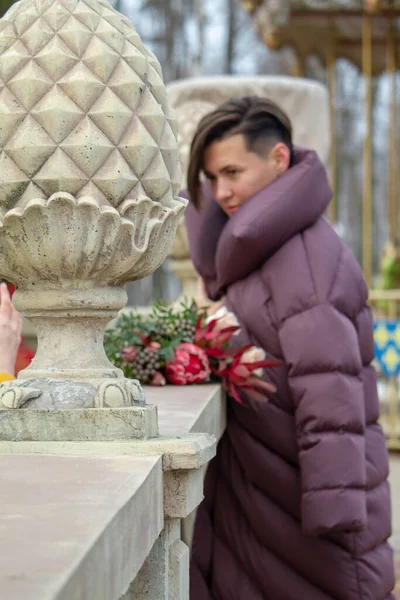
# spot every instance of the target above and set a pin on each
(333, 487)
(337, 270)
(310, 269)
(268, 548)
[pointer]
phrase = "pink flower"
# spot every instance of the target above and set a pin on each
(154, 346)
(128, 354)
(158, 379)
(189, 365)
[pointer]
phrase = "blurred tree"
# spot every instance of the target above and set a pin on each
(174, 25)
(4, 6)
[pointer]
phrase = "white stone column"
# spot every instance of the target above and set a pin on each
(188, 117)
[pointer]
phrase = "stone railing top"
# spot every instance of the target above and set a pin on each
(74, 516)
(189, 409)
(191, 419)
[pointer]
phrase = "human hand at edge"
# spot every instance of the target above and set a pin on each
(203, 301)
(10, 332)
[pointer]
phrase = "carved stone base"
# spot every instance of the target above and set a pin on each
(78, 424)
(58, 393)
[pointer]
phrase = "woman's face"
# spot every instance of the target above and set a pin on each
(237, 174)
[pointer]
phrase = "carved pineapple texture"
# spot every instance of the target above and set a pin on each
(83, 108)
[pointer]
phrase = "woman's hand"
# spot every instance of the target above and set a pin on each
(203, 301)
(10, 332)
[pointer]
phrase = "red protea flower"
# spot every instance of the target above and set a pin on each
(239, 374)
(145, 339)
(212, 338)
(189, 365)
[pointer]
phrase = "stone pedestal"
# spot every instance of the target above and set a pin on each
(78, 424)
(88, 192)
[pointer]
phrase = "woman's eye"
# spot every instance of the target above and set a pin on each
(232, 172)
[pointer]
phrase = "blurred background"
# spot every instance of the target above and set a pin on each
(320, 40)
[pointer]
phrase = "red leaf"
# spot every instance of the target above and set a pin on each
(255, 394)
(261, 364)
(239, 370)
(235, 394)
(260, 383)
(216, 353)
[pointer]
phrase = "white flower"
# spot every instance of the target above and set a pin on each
(254, 355)
(224, 318)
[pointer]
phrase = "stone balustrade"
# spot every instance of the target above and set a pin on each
(106, 520)
(99, 479)
(94, 488)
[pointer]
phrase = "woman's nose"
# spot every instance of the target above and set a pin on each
(222, 190)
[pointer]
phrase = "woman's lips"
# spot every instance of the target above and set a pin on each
(232, 209)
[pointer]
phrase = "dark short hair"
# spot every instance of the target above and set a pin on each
(259, 120)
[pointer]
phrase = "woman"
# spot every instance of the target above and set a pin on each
(297, 506)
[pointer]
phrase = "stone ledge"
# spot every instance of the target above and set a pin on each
(183, 492)
(189, 409)
(87, 524)
(189, 452)
(78, 424)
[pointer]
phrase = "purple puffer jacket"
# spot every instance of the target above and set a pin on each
(297, 506)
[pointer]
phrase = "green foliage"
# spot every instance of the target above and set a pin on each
(390, 272)
(389, 277)
(164, 326)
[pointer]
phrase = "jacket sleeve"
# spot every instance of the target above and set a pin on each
(321, 350)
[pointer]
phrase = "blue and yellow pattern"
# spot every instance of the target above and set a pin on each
(387, 346)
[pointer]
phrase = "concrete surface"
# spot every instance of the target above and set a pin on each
(73, 524)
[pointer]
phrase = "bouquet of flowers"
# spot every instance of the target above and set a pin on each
(185, 346)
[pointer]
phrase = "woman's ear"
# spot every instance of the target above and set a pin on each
(281, 157)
